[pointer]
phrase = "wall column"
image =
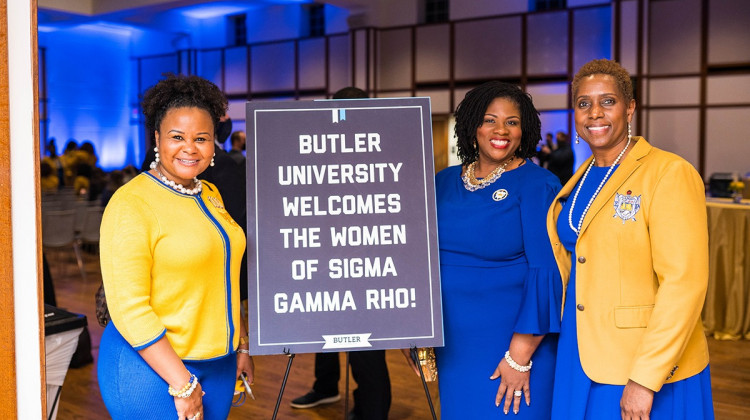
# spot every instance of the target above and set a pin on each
(22, 394)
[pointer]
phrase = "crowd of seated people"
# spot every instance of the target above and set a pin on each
(75, 172)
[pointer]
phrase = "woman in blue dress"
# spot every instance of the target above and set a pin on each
(497, 269)
(629, 233)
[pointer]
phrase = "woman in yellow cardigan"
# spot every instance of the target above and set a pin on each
(630, 237)
(170, 260)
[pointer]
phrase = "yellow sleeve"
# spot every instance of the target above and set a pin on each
(129, 231)
(679, 242)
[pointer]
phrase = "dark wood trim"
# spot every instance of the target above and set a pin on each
(327, 64)
(617, 24)
(729, 68)
(640, 48)
(369, 65)
(223, 69)
(665, 107)
(452, 67)
(43, 98)
(374, 65)
(8, 398)
(249, 72)
(370, 56)
(524, 51)
(413, 75)
(571, 46)
(702, 117)
(353, 55)
(37, 194)
(296, 70)
(289, 93)
(502, 16)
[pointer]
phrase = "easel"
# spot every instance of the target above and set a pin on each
(283, 383)
(414, 358)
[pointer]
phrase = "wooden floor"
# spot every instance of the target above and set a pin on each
(80, 399)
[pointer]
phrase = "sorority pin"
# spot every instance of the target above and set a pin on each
(626, 206)
(500, 194)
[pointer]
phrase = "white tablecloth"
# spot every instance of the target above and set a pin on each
(59, 350)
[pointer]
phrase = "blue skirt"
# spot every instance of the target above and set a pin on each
(576, 397)
(132, 390)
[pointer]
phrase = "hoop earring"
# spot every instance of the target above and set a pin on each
(212, 160)
(156, 159)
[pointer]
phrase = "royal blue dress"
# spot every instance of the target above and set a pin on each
(498, 277)
(576, 396)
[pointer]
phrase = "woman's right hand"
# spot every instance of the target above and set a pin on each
(190, 408)
(511, 381)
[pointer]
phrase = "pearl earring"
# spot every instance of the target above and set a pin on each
(212, 159)
(578, 139)
(156, 159)
(629, 133)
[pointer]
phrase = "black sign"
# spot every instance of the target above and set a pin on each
(342, 236)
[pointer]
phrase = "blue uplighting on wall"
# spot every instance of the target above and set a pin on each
(88, 85)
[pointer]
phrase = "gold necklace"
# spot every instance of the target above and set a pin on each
(471, 182)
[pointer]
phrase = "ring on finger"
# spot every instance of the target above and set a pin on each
(517, 393)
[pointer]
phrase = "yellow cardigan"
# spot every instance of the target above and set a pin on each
(641, 281)
(170, 264)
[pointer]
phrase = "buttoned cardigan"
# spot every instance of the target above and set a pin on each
(170, 264)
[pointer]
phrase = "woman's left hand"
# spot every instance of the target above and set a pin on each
(636, 402)
(245, 364)
(511, 381)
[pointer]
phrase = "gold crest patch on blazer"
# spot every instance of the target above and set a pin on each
(626, 206)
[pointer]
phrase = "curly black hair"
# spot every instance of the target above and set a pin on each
(470, 116)
(180, 91)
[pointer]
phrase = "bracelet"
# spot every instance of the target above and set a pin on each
(244, 351)
(186, 390)
(512, 363)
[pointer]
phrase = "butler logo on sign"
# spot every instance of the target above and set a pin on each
(342, 241)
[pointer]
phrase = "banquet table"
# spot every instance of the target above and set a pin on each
(726, 313)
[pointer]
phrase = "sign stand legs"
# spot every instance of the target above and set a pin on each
(414, 357)
(283, 383)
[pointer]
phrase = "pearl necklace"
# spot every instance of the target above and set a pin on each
(471, 183)
(591, 200)
(178, 187)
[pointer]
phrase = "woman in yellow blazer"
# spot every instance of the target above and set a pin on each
(170, 259)
(630, 238)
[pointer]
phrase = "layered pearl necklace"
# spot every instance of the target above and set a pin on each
(471, 183)
(178, 187)
(591, 200)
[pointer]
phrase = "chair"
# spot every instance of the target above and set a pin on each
(89, 233)
(80, 208)
(58, 232)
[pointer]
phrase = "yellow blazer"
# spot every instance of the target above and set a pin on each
(641, 278)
